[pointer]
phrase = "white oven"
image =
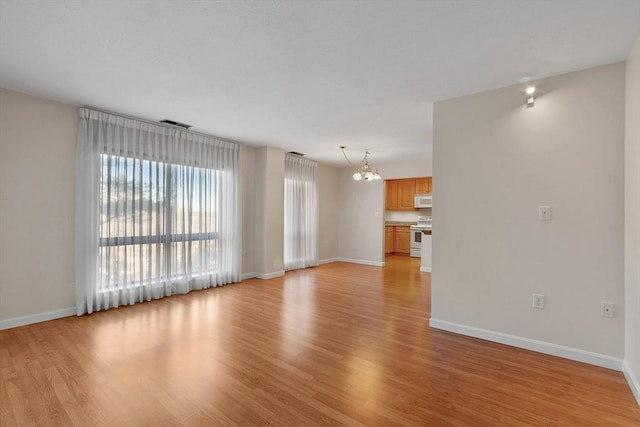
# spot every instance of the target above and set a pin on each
(416, 241)
(424, 223)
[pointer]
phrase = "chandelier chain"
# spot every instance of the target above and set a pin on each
(364, 171)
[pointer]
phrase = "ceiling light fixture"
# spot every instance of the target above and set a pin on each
(365, 171)
(530, 98)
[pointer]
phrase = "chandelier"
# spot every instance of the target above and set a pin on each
(365, 171)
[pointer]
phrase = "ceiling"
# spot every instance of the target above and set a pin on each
(305, 76)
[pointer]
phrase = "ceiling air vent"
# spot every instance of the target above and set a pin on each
(178, 124)
(295, 153)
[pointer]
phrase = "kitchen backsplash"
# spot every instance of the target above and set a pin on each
(408, 216)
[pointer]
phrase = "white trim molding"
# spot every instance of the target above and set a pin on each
(425, 269)
(328, 261)
(268, 276)
(576, 354)
(361, 261)
(633, 381)
(37, 318)
(245, 276)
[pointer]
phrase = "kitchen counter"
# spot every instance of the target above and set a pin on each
(399, 223)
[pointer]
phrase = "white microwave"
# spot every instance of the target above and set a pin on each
(422, 201)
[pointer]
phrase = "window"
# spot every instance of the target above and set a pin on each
(157, 221)
(157, 211)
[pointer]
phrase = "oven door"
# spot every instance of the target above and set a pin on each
(416, 243)
(416, 239)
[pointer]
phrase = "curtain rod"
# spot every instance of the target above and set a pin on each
(165, 125)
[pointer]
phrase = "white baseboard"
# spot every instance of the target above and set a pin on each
(425, 269)
(529, 344)
(328, 261)
(268, 276)
(361, 261)
(633, 381)
(37, 318)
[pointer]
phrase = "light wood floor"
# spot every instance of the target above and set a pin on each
(336, 344)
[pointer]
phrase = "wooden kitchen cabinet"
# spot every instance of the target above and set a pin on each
(406, 193)
(399, 193)
(388, 239)
(402, 241)
(391, 194)
(423, 185)
(397, 240)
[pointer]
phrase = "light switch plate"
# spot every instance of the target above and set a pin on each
(538, 301)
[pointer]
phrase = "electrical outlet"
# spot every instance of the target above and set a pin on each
(607, 309)
(544, 213)
(538, 301)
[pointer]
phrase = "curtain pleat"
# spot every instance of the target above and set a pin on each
(300, 212)
(157, 212)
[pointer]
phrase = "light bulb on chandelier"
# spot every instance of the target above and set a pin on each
(365, 171)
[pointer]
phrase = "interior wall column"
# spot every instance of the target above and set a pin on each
(269, 212)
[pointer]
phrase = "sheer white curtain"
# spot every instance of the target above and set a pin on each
(157, 211)
(300, 212)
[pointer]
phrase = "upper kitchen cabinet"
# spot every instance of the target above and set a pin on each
(400, 193)
(391, 197)
(406, 193)
(423, 185)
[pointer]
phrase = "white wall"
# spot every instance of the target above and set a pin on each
(361, 222)
(632, 217)
(406, 169)
(328, 212)
(37, 196)
(495, 162)
(269, 221)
